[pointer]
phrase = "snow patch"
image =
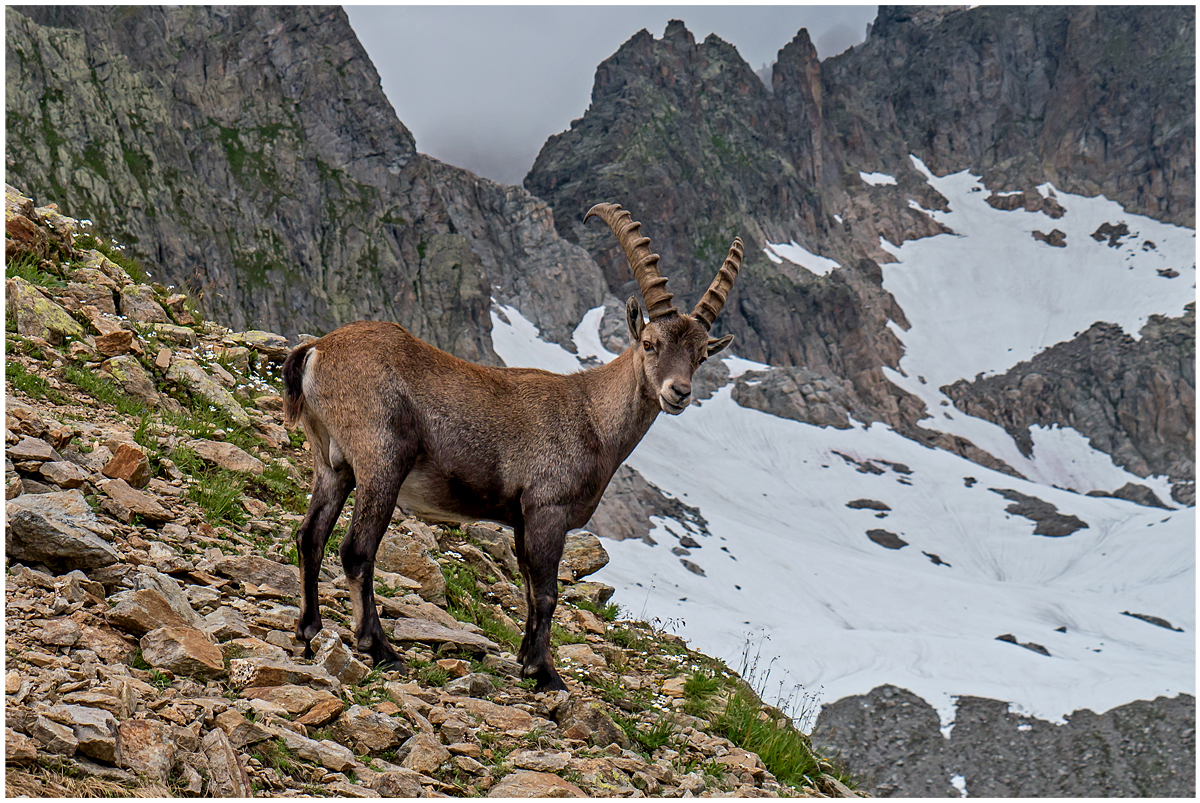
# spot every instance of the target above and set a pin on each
(877, 179)
(799, 255)
(738, 366)
(959, 783)
(586, 337)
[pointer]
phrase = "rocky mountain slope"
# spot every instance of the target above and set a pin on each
(250, 155)
(263, 168)
(149, 598)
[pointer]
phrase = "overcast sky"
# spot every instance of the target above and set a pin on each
(482, 87)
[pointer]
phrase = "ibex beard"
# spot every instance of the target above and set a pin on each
(406, 423)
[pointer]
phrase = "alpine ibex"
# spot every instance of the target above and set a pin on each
(407, 423)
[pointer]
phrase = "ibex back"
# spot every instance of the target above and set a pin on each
(407, 423)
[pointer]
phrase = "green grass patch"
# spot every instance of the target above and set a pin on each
(103, 391)
(608, 613)
(115, 253)
(698, 692)
(464, 603)
(32, 385)
(276, 486)
(28, 267)
(276, 754)
(216, 491)
(559, 635)
(627, 638)
(137, 661)
(369, 690)
(647, 739)
(787, 752)
(433, 675)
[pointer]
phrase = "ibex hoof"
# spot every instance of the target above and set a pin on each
(547, 679)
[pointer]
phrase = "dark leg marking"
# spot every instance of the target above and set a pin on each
(330, 489)
(546, 530)
(372, 513)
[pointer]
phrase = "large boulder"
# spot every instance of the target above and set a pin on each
(526, 783)
(58, 529)
(131, 502)
(226, 456)
(140, 303)
(133, 380)
(147, 747)
(139, 612)
(95, 730)
(582, 555)
(182, 651)
(261, 572)
(196, 380)
(37, 315)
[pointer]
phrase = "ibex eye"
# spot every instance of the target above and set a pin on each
(646, 345)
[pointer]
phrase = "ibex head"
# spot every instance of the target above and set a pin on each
(670, 347)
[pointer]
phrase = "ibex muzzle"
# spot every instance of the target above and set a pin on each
(404, 422)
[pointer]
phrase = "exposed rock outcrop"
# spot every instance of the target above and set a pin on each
(1133, 399)
(1141, 749)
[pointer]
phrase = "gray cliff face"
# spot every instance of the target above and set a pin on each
(1093, 100)
(1133, 399)
(250, 156)
(1097, 100)
(1146, 748)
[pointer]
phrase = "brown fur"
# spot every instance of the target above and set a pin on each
(401, 420)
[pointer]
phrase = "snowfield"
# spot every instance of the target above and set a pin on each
(790, 569)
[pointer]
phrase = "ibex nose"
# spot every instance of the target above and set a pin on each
(682, 389)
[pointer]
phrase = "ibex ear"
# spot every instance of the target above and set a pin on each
(717, 344)
(633, 313)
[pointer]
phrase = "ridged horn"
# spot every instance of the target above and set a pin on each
(709, 306)
(641, 260)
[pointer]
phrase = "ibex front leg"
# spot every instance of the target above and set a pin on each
(545, 532)
(372, 512)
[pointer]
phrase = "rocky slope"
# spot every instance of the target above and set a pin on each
(150, 595)
(1143, 749)
(250, 155)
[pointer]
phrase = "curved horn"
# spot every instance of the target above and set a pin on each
(709, 306)
(637, 251)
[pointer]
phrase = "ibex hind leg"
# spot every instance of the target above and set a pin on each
(530, 609)
(372, 513)
(545, 533)
(330, 489)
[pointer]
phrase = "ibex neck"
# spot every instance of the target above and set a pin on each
(623, 408)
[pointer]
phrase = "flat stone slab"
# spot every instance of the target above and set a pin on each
(139, 612)
(31, 450)
(190, 375)
(526, 783)
(265, 672)
(226, 456)
(293, 699)
(260, 571)
(137, 502)
(428, 632)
